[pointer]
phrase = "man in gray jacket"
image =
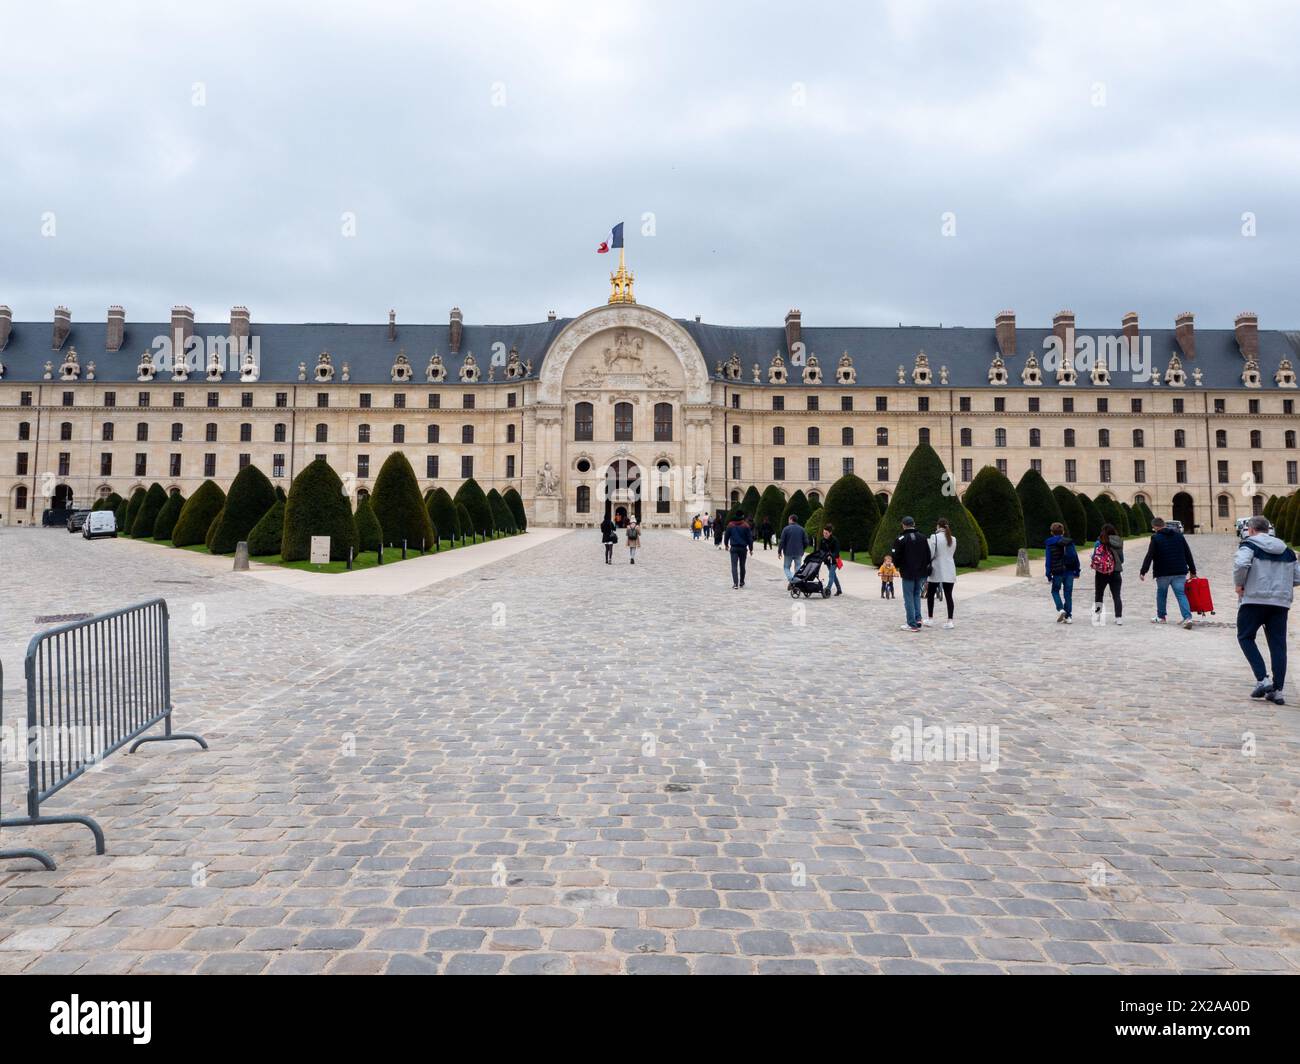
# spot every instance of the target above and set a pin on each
(1265, 572)
(791, 546)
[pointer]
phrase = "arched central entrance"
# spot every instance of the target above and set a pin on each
(622, 491)
(62, 499)
(1185, 511)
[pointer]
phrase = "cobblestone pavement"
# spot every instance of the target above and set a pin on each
(554, 765)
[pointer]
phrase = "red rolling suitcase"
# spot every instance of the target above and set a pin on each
(1198, 595)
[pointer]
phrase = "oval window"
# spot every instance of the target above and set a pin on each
(584, 466)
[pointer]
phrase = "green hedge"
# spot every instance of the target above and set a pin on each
(147, 516)
(442, 514)
(924, 492)
(317, 506)
(464, 522)
(212, 528)
(251, 496)
(851, 509)
(196, 516)
(770, 506)
(398, 506)
(1110, 512)
(516, 505)
(1072, 513)
(471, 496)
(1093, 515)
(797, 505)
(1038, 506)
(502, 519)
(162, 527)
(992, 501)
(816, 522)
(133, 510)
(370, 537)
(267, 535)
(119, 514)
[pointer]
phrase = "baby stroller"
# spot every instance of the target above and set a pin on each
(807, 579)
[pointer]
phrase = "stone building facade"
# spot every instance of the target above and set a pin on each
(626, 408)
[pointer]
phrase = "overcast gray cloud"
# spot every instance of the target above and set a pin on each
(790, 155)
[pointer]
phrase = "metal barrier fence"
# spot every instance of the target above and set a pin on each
(92, 687)
(35, 855)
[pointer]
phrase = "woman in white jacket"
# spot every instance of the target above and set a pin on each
(943, 570)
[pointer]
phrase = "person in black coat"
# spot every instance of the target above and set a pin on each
(912, 558)
(1171, 557)
(719, 527)
(830, 546)
(609, 537)
(739, 538)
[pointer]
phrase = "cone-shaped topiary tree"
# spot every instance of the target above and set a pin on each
(924, 493)
(1093, 516)
(442, 513)
(112, 502)
(1072, 513)
(317, 506)
(251, 495)
(119, 513)
(212, 528)
(166, 521)
(398, 507)
(370, 537)
(133, 510)
(1038, 506)
(770, 506)
(992, 501)
(266, 536)
(471, 496)
(749, 503)
(984, 540)
(464, 522)
(1144, 516)
(816, 522)
(196, 516)
(851, 509)
(147, 516)
(502, 520)
(1287, 528)
(1110, 512)
(797, 505)
(1130, 519)
(516, 504)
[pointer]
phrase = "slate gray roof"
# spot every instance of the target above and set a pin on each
(877, 352)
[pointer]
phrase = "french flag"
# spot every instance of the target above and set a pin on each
(615, 240)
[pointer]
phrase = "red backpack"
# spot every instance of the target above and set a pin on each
(1103, 561)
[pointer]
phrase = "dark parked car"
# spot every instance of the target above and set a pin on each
(77, 520)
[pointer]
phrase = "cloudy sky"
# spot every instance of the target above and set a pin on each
(868, 163)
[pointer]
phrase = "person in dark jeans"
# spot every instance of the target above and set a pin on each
(1172, 560)
(912, 557)
(609, 537)
(765, 533)
(719, 529)
(1061, 562)
(830, 546)
(739, 539)
(1107, 570)
(1265, 572)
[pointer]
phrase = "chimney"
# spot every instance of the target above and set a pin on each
(1247, 326)
(62, 326)
(182, 328)
(1185, 334)
(239, 322)
(6, 323)
(1128, 327)
(1004, 325)
(793, 329)
(392, 326)
(116, 329)
(550, 315)
(455, 330)
(1063, 330)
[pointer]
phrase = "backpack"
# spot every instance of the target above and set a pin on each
(1058, 557)
(1103, 561)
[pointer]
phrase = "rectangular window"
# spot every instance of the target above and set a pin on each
(141, 465)
(1002, 466)
(466, 466)
(1000, 405)
(105, 465)
(467, 401)
(963, 404)
(510, 466)
(882, 469)
(1257, 472)
(244, 460)
(1291, 472)
(1071, 471)
(1104, 470)
(363, 465)
(1103, 405)
(1135, 406)
(110, 398)
(20, 464)
(431, 466)
(814, 402)
(882, 403)
(735, 401)
(967, 469)
(778, 401)
(1180, 472)
(277, 465)
(1220, 406)
(1288, 406)
(25, 399)
(141, 400)
(512, 400)
(178, 432)
(399, 401)
(178, 399)
(245, 433)
(1067, 406)
(846, 467)
(923, 403)
(365, 400)
(245, 399)
(735, 467)
(174, 465)
(1254, 406)
(209, 465)
(814, 469)
(214, 399)
(142, 431)
(778, 469)
(846, 402)
(281, 399)
(435, 401)
(210, 432)
(65, 463)
(1140, 471)
(322, 399)
(1222, 472)
(1036, 464)
(1034, 405)
(67, 399)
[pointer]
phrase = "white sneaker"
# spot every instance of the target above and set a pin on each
(1157, 620)
(1119, 620)
(1187, 623)
(1060, 617)
(949, 624)
(927, 623)
(1069, 620)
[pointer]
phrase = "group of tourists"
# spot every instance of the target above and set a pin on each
(916, 561)
(609, 537)
(715, 526)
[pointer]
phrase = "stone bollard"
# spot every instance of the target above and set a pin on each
(1022, 562)
(241, 556)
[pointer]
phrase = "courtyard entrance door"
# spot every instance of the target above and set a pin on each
(622, 491)
(1185, 511)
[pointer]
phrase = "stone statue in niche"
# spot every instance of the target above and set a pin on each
(547, 480)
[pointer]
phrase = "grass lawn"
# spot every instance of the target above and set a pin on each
(366, 560)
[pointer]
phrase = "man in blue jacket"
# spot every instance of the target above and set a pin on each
(791, 546)
(1172, 560)
(1265, 572)
(739, 539)
(1061, 560)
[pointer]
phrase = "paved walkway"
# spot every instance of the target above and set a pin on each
(554, 765)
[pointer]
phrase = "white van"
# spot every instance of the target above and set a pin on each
(100, 523)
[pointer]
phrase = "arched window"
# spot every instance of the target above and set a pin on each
(735, 433)
(1069, 437)
(735, 497)
(584, 421)
(1103, 437)
(178, 431)
(814, 436)
(663, 493)
(322, 433)
(622, 421)
(399, 433)
(24, 430)
(1220, 437)
(20, 497)
(432, 433)
(1256, 439)
(363, 434)
(846, 437)
(965, 437)
(778, 436)
(583, 504)
(923, 435)
(1139, 438)
(1290, 438)
(1225, 506)
(814, 498)
(1180, 437)
(467, 434)
(65, 430)
(510, 433)
(882, 436)
(1139, 499)
(1035, 438)
(999, 437)
(663, 421)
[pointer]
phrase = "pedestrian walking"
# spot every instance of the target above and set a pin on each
(1265, 572)
(1107, 570)
(830, 547)
(943, 570)
(1171, 559)
(633, 540)
(1061, 559)
(719, 528)
(765, 533)
(887, 572)
(791, 545)
(911, 555)
(697, 526)
(739, 539)
(608, 536)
